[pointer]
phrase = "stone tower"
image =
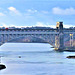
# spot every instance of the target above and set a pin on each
(60, 40)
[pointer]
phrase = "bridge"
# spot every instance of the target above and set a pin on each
(60, 38)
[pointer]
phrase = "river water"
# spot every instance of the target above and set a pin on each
(35, 59)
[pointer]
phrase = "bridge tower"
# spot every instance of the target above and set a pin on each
(60, 41)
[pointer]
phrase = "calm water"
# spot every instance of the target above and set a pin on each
(36, 59)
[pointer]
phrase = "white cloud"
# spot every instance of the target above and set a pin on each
(3, 24)
(6, 25)
(11, 25)
(1, 14)
(31, 11)
(67, 26)
(45, 12)
(60, 11)
(40, 24)
(14, 10)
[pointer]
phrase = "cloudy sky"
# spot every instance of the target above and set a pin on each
(37, 12)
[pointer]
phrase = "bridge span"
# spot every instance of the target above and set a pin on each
(60, 38)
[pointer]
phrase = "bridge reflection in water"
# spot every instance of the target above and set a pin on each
(60, 38)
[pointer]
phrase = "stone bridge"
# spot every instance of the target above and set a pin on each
(60, 38)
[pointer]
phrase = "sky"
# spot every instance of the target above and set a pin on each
(37, 13)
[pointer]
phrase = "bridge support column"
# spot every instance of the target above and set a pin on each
(60, 36)
(8, 37)
(57, 41)
(61, 42)
(0, 40)
(71, 40)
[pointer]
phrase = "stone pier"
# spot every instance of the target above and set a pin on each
(59, 39)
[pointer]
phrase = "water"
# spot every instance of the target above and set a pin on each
(36, 59)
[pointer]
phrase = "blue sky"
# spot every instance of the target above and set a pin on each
(37, 12)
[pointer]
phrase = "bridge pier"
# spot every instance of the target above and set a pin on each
(59, 41)
(71, 40)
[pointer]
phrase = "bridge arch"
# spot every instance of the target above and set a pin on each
(45, 38)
